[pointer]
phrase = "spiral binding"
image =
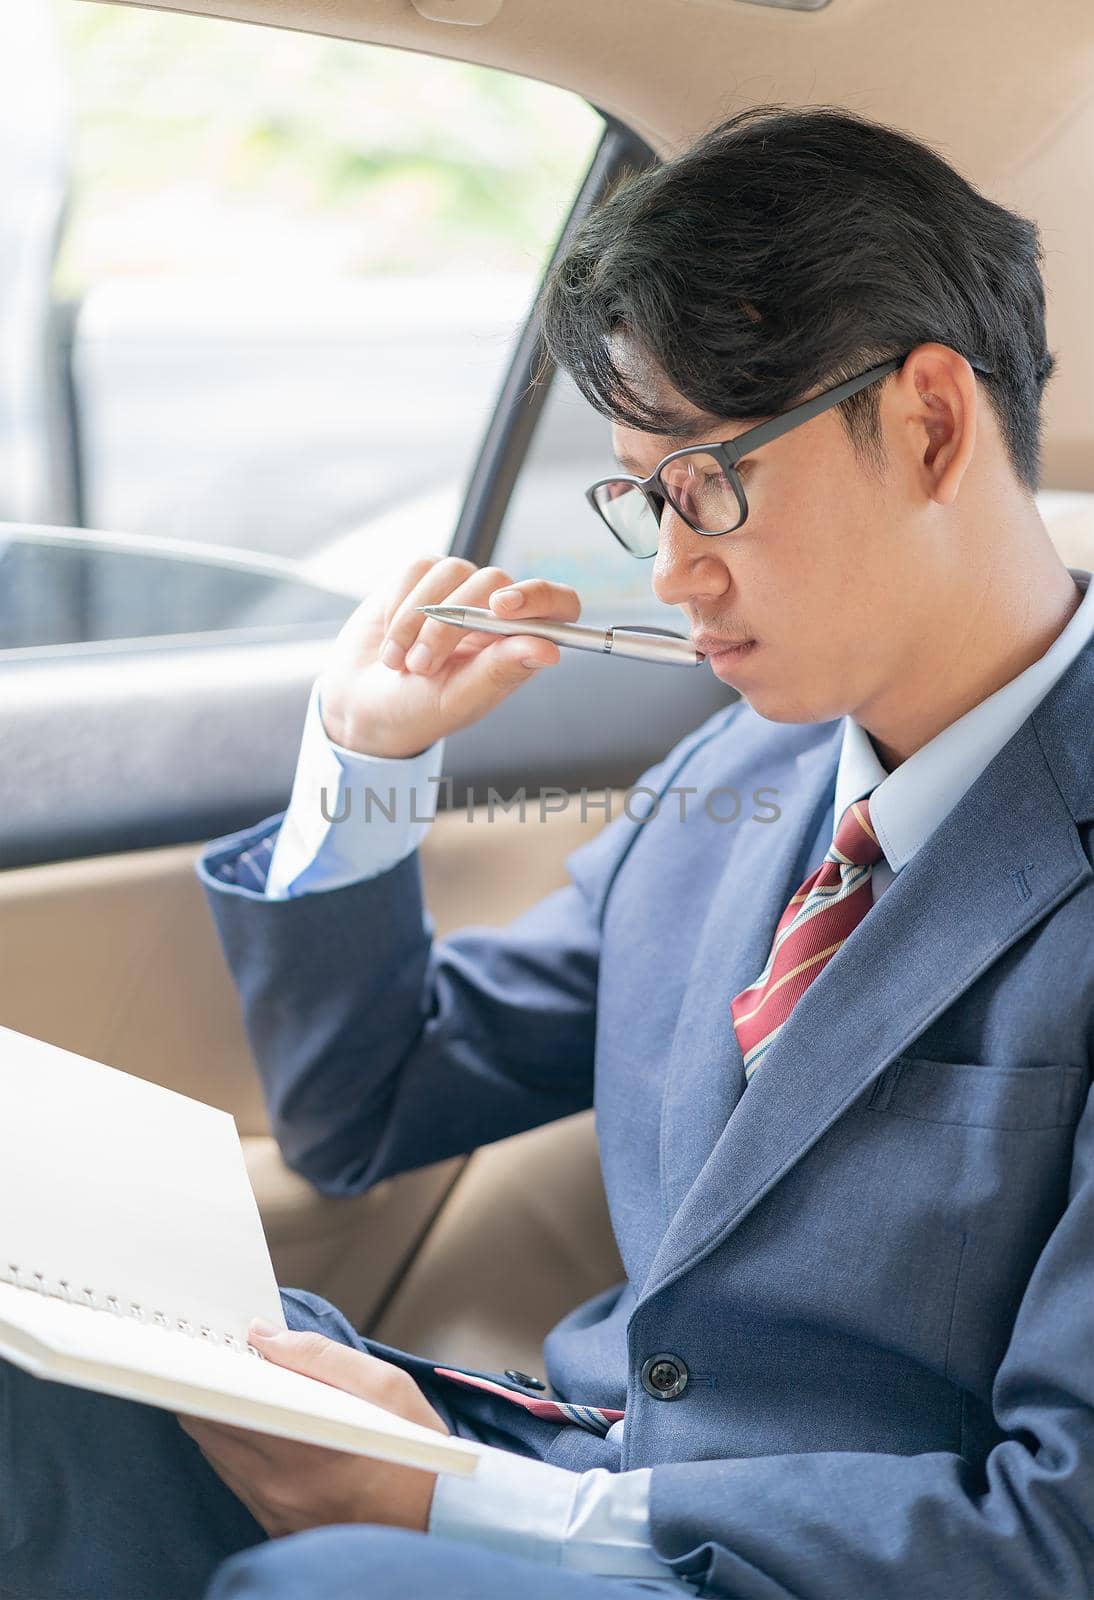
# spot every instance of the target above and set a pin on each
(61, 1289)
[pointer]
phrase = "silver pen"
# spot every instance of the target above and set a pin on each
(639, 644)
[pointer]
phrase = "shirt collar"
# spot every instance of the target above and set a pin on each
(907, 805)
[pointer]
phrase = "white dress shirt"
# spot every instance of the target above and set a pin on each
(598, 1521)
(907, 805)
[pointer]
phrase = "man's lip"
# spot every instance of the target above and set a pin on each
(708, 644)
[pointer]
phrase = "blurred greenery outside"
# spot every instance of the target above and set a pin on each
(213, 149)
(258, 164)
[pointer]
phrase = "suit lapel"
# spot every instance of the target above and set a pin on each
(948, 915)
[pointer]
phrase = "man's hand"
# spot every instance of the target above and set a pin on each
(288, 1487)
(397, 681)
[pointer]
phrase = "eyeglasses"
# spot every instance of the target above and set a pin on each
(701, 483)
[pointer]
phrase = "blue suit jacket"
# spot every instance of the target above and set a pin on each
(877, 1262)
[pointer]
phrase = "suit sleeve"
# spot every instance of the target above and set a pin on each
(380, 1048)
(1018, 1527)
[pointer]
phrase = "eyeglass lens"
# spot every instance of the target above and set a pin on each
(696, 485)
(630, 516)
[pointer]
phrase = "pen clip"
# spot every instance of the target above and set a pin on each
(628, 627)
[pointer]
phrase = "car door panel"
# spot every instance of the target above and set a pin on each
(116, 957)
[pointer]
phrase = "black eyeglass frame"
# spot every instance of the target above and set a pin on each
(728, 452)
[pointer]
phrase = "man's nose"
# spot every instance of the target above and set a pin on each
(687, 564)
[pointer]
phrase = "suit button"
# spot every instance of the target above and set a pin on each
(524, 1380)
(664, 1377)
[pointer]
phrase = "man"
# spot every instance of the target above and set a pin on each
(840, 1092)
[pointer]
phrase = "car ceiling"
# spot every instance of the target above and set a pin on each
(1003, 88)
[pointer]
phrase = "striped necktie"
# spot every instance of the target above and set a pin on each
(594, 1419)
(829, 905)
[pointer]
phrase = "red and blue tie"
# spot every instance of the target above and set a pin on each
(593, 1418)
(822, 914)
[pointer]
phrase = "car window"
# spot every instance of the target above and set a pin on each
(551, 531)
(276, 301)
(140, 591)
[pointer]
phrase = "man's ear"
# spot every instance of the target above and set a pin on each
(934, 404)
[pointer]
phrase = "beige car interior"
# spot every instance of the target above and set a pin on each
(116, 957)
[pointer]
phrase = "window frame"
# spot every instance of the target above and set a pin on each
(520, 402)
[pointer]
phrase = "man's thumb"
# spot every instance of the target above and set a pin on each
(313, 1354)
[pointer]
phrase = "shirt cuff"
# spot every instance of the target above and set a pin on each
(595, 1521)
(351, 816)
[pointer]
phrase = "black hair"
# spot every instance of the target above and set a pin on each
(790, 248)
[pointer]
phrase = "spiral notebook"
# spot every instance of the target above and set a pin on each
(132, 1260)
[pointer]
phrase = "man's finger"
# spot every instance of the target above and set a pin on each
(406, 622)
(537, 597)
(355, 1371)
(408, 580)
(221, 1438)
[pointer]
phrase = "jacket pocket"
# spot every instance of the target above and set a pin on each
(975, 1095)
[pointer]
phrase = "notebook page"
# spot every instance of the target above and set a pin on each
(116, 1355)
(123, 1190)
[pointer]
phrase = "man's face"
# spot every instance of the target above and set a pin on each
(820, 575)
